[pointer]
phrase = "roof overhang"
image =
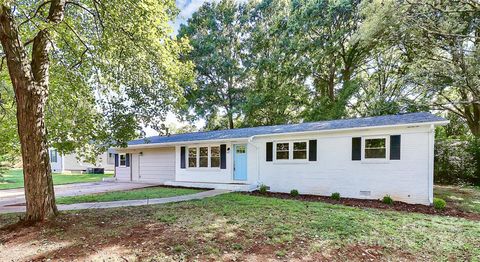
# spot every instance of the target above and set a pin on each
(244, 139)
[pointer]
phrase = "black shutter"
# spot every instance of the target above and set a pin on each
(127, 160)
(223, 156)
(395, 142)
(312, 150)
(116, 159)
(356, 148)
(182, 157)
(269, 151)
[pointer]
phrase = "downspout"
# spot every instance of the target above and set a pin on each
(431, 156)
(250, 141)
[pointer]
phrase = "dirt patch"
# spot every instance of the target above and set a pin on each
(366, 203)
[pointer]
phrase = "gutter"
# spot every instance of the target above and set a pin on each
(155, 145)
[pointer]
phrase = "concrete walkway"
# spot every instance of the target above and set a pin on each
(17, 196)
(124, 203)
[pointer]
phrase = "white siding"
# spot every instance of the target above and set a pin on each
(216, 175)
(123, 173)
(156, 165)
(334, 171)
(409, 179)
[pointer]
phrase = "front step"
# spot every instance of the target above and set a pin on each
(225, 186)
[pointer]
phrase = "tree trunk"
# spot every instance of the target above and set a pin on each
(30, 83)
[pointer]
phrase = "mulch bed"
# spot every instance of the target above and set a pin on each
(367, 203)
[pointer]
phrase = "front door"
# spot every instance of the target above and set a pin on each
(240, 162)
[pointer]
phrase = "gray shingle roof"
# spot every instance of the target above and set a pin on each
(388, 120)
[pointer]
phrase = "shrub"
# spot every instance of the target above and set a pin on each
(263, 189)
(335, 196)
(294, 193)
(387, 200)
(439, 203)
(457, 161)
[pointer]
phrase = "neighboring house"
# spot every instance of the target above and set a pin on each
(359, 158)
(70, 163)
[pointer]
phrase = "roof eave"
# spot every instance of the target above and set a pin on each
(159, 145)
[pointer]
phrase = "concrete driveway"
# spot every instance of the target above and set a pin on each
(9, 197)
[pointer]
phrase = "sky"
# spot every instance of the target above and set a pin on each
(187, 8)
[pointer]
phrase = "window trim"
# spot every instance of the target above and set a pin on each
(290, 152)
(120, 160)
(56, 155)
(387, 148)
(209, 156)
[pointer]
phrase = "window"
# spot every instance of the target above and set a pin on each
(111, 159)
(53, 155)
(192, 157)
(123, 159)
(215, 156)
(375, 148)
(240, 149)
(300, 150)
(203, 156)
(282, 151)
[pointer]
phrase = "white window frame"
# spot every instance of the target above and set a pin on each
(120, 160)
(387, 149)
(56, 155)
(209, 156)
(290, 152)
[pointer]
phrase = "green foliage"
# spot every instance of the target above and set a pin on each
(115, 69)
(457, 160)
(335, 196)
(263, 189)
(216, 31)
(387, 200)
(294, 193)
(439, 203)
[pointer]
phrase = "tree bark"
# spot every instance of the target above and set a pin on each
(30, 84)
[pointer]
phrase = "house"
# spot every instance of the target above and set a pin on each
(359, 158)
(70, 163)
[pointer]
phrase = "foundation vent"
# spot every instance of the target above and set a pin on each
(365, 193)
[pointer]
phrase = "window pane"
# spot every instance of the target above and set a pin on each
(204, 156)
(215, 156)
(375, 153)
(300, 146)
(375, 148)
(192, 157)
(240, 149)
(123, 160)
(203, 151)
(282, 151)
(375, 143)
(215, 151)
(299, 154)
(53, 156)
(300, 150)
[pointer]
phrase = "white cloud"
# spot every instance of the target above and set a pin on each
(187, 8)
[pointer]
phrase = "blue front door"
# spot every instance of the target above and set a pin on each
(240, 162)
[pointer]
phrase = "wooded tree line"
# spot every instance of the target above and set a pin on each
(284, 61)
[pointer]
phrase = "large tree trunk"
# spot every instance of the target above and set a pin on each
(30, 83)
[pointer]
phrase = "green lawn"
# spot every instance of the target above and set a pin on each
(14, 179)
(243, 227)
(465, 198)
(144, 193)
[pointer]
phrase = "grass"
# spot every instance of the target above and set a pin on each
(144, 193)
(466, 198)
(243, 227)
(14, 178)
